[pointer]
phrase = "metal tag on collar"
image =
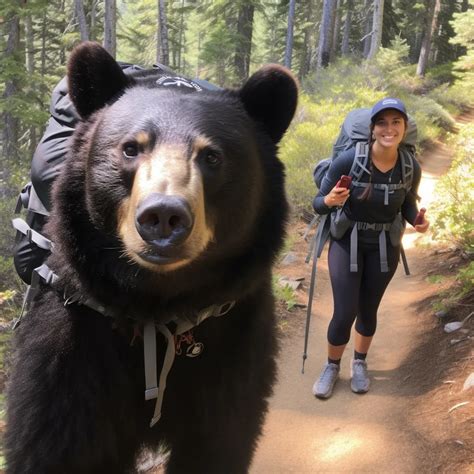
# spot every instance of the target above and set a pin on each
(224, 308)
(195, 349)
(74, 298)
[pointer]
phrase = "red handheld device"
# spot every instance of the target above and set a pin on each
(420, 217)
(344, 182)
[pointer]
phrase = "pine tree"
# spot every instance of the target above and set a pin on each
(325, 37)
(289, 33)
(431, 21)
(110, 21)
(377, 28)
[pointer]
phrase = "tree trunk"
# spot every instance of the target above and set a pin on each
(376, 29)
(63, 26)
(93, 23)
(324, 46)
(305, 63)
(368, 28)
(347, 28)
(198, 60)
(10, 122)
(244, 41)
(110, 20)
(431, 22)
(44, 30)
(289, 33)
(81, 19)
(162, 50)
(30, 67)
(336, 25)
(181, 37)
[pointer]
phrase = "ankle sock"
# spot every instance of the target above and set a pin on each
(359, 356)
(334, 361)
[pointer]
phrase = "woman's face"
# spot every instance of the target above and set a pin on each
(389, 128)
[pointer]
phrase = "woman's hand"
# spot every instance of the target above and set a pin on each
(423, 227)
(336, 197)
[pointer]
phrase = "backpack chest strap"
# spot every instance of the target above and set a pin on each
(388, 188)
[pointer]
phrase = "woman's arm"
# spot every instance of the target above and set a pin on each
(329, 195)
(409, 206)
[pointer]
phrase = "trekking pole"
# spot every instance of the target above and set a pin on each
(404, 260)
(314, 250)
(310, 300)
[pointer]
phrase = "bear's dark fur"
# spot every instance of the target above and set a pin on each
(205, 164)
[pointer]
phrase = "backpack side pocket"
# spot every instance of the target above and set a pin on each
(397, 229)
(340, 224)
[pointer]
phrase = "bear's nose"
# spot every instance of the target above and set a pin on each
(164, 220)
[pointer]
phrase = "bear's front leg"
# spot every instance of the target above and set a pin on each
(71, 403)
(222, 440)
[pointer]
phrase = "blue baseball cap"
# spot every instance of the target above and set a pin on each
(388, 103)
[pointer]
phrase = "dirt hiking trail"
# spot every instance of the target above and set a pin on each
(389, 429)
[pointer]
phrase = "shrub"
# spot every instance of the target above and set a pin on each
(452, 210)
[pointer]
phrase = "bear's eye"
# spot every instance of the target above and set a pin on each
(212, 158)
(130, 150)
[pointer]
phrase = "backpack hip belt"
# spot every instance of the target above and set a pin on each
(382, 228)
(373, 226)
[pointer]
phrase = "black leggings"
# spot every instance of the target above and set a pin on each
(357, 294)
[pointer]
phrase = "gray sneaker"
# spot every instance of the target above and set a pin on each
(322, 388)
(360, 381)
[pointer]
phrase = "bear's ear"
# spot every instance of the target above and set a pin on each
(270, 97)
(94, 77)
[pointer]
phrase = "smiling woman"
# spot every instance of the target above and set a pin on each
(388, 131)
(365, 237)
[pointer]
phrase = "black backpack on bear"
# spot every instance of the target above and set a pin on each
(31, 247)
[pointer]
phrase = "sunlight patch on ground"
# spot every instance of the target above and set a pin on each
(338, 446)
(328, 441)
(427, 188)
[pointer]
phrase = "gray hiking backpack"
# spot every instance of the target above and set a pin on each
(355, 133)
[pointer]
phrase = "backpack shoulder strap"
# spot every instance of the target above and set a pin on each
(407, 168)
(361, 158)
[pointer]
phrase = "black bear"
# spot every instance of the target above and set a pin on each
(167, 216)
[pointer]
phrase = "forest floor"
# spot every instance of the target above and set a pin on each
(416, 416)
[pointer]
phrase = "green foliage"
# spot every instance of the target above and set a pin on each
(463, 25)
(284, 293)
(440, 74)
(395, 55)
(459, 293)
(452, 209)
(217, 54)
(136, 32)
(430, 116)
(435, 279)
(452, 99)
(8, 277)
(465, 279)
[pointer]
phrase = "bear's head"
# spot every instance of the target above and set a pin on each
(172, 178)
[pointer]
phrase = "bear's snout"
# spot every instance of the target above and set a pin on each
(164, 221)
